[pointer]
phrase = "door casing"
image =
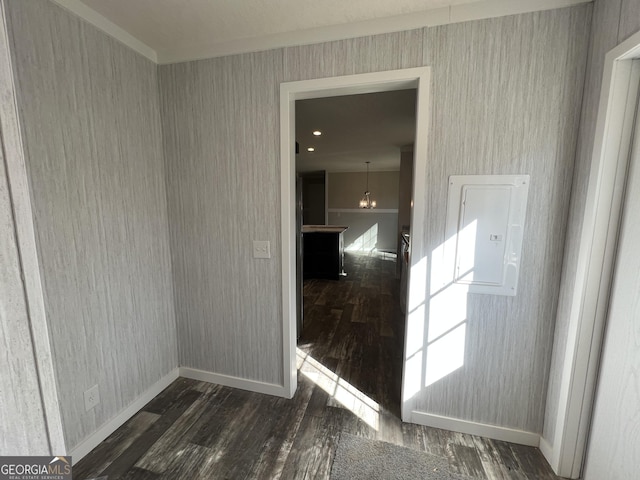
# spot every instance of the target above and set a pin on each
(596, 257)
(418, 78)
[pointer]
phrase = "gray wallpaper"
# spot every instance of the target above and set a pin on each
(613, 22)
(506, 99)
(221, 136)
(629, 19)
(22, 427)
(357, 55)
(30, 420)
(92, 134)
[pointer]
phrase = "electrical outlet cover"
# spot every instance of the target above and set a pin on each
(91, 398)
(261, 249)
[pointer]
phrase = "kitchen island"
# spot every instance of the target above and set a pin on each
(323, 251)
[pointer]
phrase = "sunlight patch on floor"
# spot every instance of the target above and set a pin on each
(339, 389)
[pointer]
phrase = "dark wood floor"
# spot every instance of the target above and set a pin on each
(348, 381)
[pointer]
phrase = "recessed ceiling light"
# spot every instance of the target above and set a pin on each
(311, 149)
(317, 133)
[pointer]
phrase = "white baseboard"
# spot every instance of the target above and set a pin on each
(235, 382)
(92, 441)
(472, 428)
(549, 454)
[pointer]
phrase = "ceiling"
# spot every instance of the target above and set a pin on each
(355, 129)
(169, 31)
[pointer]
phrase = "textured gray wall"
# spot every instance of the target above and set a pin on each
(91, 127)
(506, 99)
(499, 106)
(22, 427)
(613, 22)
(30, 421)
(221, 136)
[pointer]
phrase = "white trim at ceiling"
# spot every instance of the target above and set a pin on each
(107, 26)
(429, 18)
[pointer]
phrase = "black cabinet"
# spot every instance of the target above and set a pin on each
(323, 253)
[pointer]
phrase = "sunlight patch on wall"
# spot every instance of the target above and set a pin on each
(415, 349)
(414, 360)
(466, 252)
(418, 290)
(366, 242)
(446, 337)
(340, 390)
(447, 309)
(445, 355)
(441, 308)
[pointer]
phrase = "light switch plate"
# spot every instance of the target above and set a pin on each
(261, 249)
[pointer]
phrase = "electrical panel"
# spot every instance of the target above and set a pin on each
(484, 231)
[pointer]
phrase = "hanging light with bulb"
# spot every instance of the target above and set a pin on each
(366, 201)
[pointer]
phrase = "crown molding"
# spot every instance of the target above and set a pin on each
(479, 10)
(429, 18)
(107, 26)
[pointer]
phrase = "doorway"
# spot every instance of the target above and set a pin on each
(419, 79)
(350, 145)
(351, 322)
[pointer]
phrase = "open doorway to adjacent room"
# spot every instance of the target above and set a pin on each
(351, 245)
(296, 359)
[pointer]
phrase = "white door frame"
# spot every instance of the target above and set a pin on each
(419, 78)
(596, 257)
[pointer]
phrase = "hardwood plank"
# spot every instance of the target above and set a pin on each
(492, 461)
(139, 474)
(313, 448)
(390, 429)
(532, 462)
(429, 440)
(236, 409)
(145, 441)
(272, 459)
(465, 460)
(104, 454)
(176, 437)
(194, 461)
(161, 403)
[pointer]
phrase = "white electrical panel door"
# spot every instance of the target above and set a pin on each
(482, 234)
(485, 220)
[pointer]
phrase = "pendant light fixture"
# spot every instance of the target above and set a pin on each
(366, 201)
